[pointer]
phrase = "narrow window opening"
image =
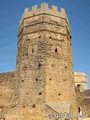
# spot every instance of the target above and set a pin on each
(39, 65)
(80, 111)
(65, 66)
(23, 106)
(33, 51)
(33, 105)
(56, 50)
(36, 79)
(28, 39)
(59, 94)
(40, 36)
(70, 36)
(40, 93)
(78, 86)
(50, 37)
(22, 80)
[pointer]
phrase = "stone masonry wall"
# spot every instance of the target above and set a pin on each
(7, 87)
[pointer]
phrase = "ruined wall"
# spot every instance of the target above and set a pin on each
(7, 87)
(80, 80)
(85, 102)
(82, 93)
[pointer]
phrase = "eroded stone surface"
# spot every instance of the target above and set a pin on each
(44, 79)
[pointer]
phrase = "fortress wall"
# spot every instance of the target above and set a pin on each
(7, 86)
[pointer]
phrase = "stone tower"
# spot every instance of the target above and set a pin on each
(44, 69)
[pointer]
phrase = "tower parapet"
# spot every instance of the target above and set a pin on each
(44, 9)
(44, 19)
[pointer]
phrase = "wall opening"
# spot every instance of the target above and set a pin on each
(65, 66)
(39, 65)
(33, 105)
(23, 106)
(36, 79)
(56, 50)
(50, 37)
(40, 36)
(40, 93)
(33, 50)
(50, 79)
(22, 80)
(59, 94)
(78, 86)
(28, 40)
(80, 110)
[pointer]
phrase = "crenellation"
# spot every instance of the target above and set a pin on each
(54, 7)
(53, 11)
(34, 8)
(26, 10)
(62, 10)
(44, 6)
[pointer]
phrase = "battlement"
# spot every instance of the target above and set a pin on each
(44, 6)
(44, 9)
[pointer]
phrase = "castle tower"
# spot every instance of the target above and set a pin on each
(44, 68)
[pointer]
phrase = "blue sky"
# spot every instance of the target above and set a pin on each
(78, 12)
